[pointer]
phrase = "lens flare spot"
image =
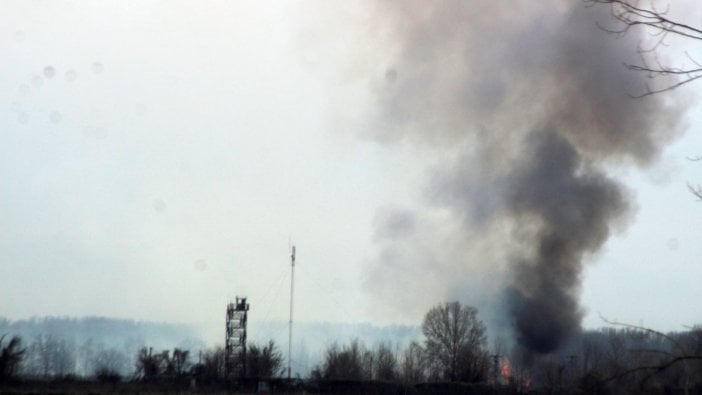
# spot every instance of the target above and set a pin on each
(71, 75)
(97, 67)
(49, 72)
(159, 205)
(200, 265)
(673, 243)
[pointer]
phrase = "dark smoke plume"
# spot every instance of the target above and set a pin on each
(527, 104)
(571, 210)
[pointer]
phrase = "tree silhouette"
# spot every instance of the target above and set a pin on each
(631, 14)
(345, 363)
(385, 363)
(51, 356)
(148, 364)
(266, 361)
(455, 341)
(680, 354)
(10, 357)
(413, 366)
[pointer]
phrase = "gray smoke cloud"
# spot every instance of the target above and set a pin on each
(572, 210)
(526, 104)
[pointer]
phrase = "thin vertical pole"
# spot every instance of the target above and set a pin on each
(292, 287)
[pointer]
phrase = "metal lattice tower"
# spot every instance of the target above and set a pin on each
(235, 343)
(292, 285)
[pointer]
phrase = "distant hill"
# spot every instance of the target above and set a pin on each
(110, 332)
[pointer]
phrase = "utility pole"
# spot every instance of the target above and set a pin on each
(292, 287)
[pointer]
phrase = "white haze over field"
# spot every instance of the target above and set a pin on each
(158, 158)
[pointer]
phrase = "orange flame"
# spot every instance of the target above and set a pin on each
(506, 369)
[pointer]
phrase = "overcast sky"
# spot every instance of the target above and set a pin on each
(159, 158)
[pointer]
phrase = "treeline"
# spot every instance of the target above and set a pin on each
(63, 346)
(48, 356)
(51, 358)
(624, 357)
(454, 350)
(264, 361)
(453, 355)
(618, 359)
(128, 336)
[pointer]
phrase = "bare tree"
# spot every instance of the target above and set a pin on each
(695, 189)
(345, 363)
(455, 340)
(266, 361)
(385, 363)
(10, 357)
(109, 365)
(51, 356)
(680, 354)
(636, 14)
(64, 357)
(633, 14)
(213, 364)
(368, 364)
(178, 362)
(148, 364)
(413, 368)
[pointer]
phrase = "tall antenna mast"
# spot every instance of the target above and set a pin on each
(292, 287)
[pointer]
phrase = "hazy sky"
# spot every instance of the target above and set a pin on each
(157, 158)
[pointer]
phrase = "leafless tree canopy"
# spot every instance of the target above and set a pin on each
(631, 14)
(455, 341)
(681, 351)
(264, 361)
(10, 357)
(150, 365)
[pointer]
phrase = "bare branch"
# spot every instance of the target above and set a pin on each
(650, 91)
(644, 329)
(649, 351)
(695, 190)
(654, 369)
(630, 14)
